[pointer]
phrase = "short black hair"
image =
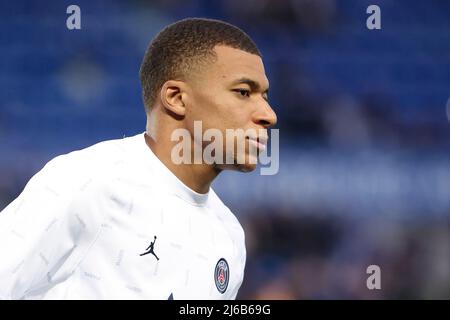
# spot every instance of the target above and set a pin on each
(181, 46)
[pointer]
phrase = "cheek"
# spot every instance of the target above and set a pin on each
(211, 109)
(204, 102)
(198, 106)
(218, 109)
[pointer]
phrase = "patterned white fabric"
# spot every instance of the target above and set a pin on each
(82, 225)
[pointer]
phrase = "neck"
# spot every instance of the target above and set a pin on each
(197, 177)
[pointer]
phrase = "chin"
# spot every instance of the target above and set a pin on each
(246, 167)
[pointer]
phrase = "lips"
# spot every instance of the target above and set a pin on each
(259, 142)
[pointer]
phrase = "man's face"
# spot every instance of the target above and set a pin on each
(231, 93)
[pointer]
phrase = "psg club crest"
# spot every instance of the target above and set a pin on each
(222, 275)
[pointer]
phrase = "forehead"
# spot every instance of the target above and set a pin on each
(232, 64)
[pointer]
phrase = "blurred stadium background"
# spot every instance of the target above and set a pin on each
(363, 117)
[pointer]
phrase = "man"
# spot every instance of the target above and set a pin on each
(85, 225)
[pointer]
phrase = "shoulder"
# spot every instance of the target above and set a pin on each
(85, 182)
(85, 173)
(100, 155)
(233, 226)
(96, 160)
(226, 215)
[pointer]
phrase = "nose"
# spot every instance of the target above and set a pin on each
(265, 116)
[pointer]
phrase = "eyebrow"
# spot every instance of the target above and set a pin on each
(254, 85)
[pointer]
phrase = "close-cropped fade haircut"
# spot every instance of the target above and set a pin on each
(181, 46)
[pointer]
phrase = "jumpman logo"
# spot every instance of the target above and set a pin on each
(151, 247)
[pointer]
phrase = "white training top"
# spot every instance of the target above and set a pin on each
(113, 222)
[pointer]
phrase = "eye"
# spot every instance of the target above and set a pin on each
(243, 92)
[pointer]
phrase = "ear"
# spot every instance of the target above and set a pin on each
(172, 94)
